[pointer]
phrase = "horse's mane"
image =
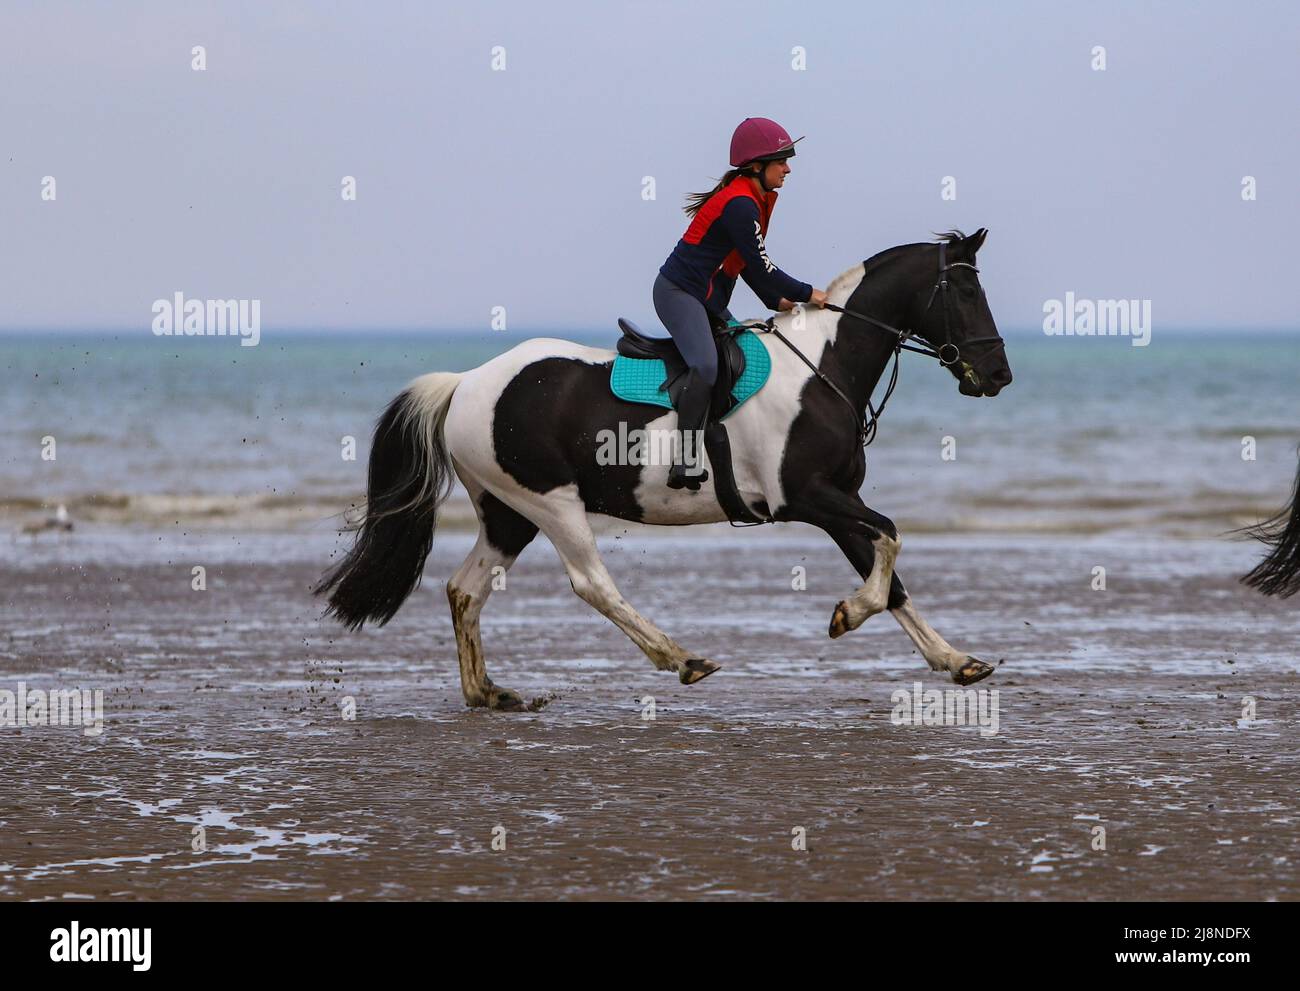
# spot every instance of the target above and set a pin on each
(852, 275)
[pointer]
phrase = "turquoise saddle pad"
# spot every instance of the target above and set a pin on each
(638, 380)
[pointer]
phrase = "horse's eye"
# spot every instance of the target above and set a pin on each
(967, 292)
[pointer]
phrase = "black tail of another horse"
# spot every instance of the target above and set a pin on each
(1279, 573)
(410, 476)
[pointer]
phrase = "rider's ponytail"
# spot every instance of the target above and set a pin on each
(697, 200)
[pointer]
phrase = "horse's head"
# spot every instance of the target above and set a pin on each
(952, 314)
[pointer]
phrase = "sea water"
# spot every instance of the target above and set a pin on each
(1189, 436)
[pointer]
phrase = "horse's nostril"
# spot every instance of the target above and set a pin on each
(1001, 378)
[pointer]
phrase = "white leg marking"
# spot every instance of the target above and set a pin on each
(873, 596)
(938, 653)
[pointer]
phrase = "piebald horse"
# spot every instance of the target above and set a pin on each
(520, 432)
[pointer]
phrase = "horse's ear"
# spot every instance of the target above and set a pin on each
(973, 243)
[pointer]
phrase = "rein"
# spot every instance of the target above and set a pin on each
(871, 418)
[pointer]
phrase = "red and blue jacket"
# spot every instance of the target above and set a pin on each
(725, 239)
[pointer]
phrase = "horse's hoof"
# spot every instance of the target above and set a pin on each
(972, 671)
(839, 622)
(696, 669)
(504, 700)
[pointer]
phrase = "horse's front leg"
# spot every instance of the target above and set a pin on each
(938, 653)
(869, 540)
(873, 559)
(871, 543)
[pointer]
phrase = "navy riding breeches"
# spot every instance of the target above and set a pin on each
(688, 323)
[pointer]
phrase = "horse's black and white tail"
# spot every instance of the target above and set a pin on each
(410, 476)
(1279, 573)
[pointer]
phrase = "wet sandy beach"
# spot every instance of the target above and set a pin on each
(1120, 708)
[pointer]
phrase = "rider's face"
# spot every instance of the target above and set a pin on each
(776, 173)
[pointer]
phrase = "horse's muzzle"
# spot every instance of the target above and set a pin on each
(972, 383)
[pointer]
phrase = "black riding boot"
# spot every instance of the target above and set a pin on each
(692, 414)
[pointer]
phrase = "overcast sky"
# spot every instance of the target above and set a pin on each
(523, 188)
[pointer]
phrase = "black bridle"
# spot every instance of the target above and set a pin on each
(870, 420)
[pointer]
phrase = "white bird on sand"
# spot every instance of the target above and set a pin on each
(59, 521)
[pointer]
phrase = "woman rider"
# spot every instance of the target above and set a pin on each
(725, 239)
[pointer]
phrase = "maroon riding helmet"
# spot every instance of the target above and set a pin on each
(758, 139)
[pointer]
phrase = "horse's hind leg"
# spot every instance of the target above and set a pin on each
(502, 535)
(563, 518)
(938, 653)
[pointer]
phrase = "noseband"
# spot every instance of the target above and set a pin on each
(867, 429)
